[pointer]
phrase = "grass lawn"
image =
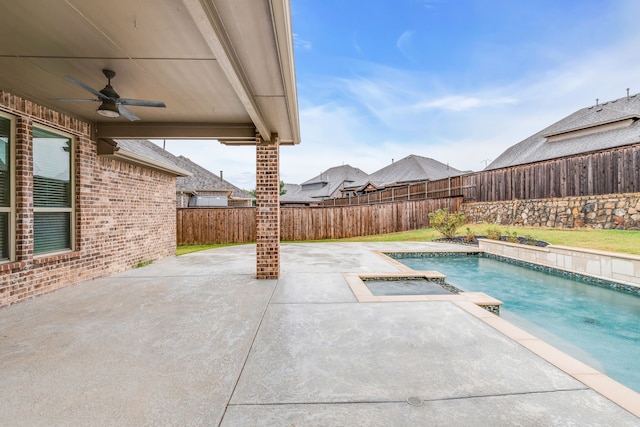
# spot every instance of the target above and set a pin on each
(626, 241)
(181, 250)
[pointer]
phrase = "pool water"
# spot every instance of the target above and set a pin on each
(597, 325)
(386, 287)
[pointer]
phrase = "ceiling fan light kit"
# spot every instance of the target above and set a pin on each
(109, 109)
(111, 105)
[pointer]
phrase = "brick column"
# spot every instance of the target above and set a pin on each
(268, 209)
(24, 189)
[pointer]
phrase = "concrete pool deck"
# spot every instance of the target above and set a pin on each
(197, 340)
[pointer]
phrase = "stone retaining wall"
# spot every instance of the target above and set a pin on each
(607, 211)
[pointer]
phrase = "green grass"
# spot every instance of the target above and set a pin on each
(625, 241)
(181, 250)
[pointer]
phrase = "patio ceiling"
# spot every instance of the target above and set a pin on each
(224, 68)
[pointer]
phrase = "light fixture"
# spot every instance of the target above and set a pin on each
(108, 108)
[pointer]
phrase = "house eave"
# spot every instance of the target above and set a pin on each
(108, 150)
(618, 123)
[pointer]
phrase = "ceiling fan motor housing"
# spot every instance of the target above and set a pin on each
(109, 92)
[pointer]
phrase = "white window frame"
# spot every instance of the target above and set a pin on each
(72, 209)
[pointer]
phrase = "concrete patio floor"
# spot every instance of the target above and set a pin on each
(196, 340)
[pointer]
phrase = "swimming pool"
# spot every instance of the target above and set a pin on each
(597, 325)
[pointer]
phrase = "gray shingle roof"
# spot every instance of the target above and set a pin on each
(324, 185)
(410, 169)
(294, 193)
(204, 180)
(538, 148)
(200, 180)
(148, 149)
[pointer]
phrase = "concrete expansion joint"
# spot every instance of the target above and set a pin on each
(410, 400)
(523, 393)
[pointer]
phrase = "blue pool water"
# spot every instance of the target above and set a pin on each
(597, 325)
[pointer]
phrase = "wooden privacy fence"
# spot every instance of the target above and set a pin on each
(614, 171)
(318, 223)
(201, 226)
(238, 225)
(449, 187)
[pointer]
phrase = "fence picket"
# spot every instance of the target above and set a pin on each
(197, 226)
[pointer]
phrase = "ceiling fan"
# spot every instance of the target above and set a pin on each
(112, 105)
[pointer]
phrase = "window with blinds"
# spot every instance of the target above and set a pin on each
(52, 191)
(6, 188)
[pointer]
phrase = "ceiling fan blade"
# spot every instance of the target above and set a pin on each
(141, 103)
(86, 87)
(127, 113)
(73, 100)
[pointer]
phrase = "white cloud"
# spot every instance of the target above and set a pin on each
(332, 135)
(357, 47)
(462, 103)
(301, 43)
(403, 43)
(429, 4)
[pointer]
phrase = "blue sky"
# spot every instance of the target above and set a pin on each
(458, 81)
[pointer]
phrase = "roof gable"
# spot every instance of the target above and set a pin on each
(328, 182)
(337, 173)
(412, 168)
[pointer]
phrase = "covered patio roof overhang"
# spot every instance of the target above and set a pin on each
(224, 69)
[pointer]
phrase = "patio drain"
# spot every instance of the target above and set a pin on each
(415, 401)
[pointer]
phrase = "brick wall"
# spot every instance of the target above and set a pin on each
(267, 211)
(125, 214)
(607, 211)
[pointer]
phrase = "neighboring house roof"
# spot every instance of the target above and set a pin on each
(322, 186)
(410, 169)
(294, 194)
(205, 180)
(200, 179)
(329, 181)
(599, 127)
(143, 152)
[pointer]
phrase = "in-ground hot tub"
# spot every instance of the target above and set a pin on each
(414, 286)
(409, 285)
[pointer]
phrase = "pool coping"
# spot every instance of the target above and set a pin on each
(611, 389)
(363, 294)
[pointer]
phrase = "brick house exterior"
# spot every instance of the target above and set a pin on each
(123, 214)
